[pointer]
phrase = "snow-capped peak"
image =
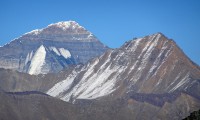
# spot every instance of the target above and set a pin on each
(66, 24)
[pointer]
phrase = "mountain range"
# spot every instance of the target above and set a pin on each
(64, 72)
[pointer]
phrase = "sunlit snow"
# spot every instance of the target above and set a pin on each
(37, 61)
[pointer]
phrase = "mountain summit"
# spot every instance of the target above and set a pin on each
(51, 49)
(69, 30)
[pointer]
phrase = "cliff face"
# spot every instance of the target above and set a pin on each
(51, 49)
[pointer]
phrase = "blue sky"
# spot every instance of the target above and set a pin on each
(112, 21)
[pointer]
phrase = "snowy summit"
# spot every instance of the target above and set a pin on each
(66, 25)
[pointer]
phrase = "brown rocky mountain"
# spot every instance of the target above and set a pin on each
(151, 70)
(153, 64)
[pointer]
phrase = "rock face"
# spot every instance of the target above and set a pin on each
(51, 49)
(152, 64)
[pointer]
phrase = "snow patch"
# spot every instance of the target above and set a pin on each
(145, 54)
(29, 57)
(34, 32)
(61, 52)
(65, 53)
(136, 43)
(92, 85)
(61, 86)
(37, 61)
(181, 83)
(64, 25)
(158, 61)
(177, 77)
(90, 35)
(55, 50)
(95, 86)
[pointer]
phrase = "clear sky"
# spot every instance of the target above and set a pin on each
(112, 21)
